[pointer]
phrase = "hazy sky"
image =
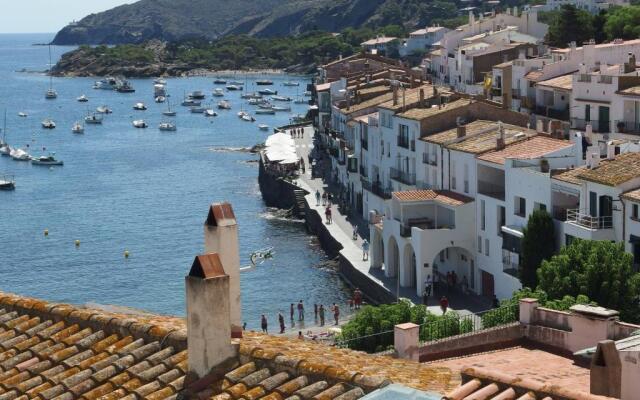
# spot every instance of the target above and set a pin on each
(35, 16)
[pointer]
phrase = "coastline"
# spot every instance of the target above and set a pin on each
(126, 71)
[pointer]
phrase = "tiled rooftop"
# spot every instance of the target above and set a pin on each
(61, 352)
(535, 147)
(633, 195)
(614, 172)
(442, 196)
(480, 137)
(367, 104)
(422, 113)
(562, 82)
(410, 96)
(568, 175)
(632, 91)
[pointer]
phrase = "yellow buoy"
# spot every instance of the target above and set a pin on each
(46, 232)
(77, 243)
(126, 254)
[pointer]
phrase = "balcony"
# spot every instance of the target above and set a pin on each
(403, 177)
(628, 127)
(559, 213)
(491, 189)
(422, 223)
(587, 221)
(379, 191)
(596, 126)
(427, 159)
(363, 171)
(403, 141)
(549, 112)
(352, 167)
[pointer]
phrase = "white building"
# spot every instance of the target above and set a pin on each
(383, 45)
(422, 40)
(592, 6)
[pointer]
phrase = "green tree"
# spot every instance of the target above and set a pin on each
(623, 23)
(570, 25)
(600, 270)
(538, 244)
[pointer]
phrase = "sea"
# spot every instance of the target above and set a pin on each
(142, 191)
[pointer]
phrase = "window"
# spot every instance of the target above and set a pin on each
(520, 206)
(466, 178)
(452, 174)
(483, 223)
(502, 220)
(480, 244)
(634, 211)
(486, 247)
(540, 206)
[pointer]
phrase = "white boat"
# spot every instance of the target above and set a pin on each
(5, 149)
(7, 182)
(210, 113)
(197, 110)
(125, 87)
(139, 123)
(103, 110)
(278, 108)
(20, 155)
(237, 83)
(82, 99)
(22, 114)
(267, 92)
(107, 83)
(264, 82)
(280, 98)
(252, 95)
(218, 92)
(48, 160)
(169, 112)
(248, 118)
(159, 90)
(196, 95)
(263, 127)
(265, 111)
(219, 81)
(50, 94)
(139, 107)
(160, 81)
(290, 83)
(191, 103)
(167, 127)
(265, 105)
(234, 87)
(77, 128)
(48, 123)
(224, 105)
(160, 99)
(93, 119)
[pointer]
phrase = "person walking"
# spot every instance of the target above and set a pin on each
(321, 313)
(291, 309)
(315, 311)
(317, 197)
(425, 298)
(354, 235)
(300, 311)
(327, 213)
(281, 321)
(263, 324)
(357, 297)
(444, 304)
(336, 313)
(365, 250)
(324, 199)
(428, 284)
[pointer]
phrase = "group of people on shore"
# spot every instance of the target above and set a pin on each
(297, 133)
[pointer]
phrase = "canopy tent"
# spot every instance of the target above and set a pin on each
(281, 148)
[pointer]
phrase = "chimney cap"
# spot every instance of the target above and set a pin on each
(207, 266)
(221, 214)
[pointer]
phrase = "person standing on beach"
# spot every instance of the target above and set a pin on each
(263, 324)
(300, 311)
(317, 197)
(291, 311)
(321, 313)
(315, 311)
(336, 313)
(365, 250)
(281, 321)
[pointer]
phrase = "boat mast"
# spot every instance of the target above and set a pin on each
(4, 128)
(50, 76)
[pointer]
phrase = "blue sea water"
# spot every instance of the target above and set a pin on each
(141, 190)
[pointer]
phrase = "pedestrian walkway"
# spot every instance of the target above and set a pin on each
(342, 230)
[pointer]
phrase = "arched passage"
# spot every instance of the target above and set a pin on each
(377, 250)
(392, 257)
(408, 274)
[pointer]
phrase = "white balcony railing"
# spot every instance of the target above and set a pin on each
(588, 221)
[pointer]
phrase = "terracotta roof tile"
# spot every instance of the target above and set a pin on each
(535, 147)
(481, 136)
(568, 175)
(423, 113)
(562, 82)
(614, 172)
(441, 196)
(633, 195)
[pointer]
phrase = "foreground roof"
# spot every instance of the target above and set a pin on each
(62, 352)
(367, 103)
(422, 113)
(535, 147)
(480, 136)
(621, 169)
(562, 82)
(446, 197)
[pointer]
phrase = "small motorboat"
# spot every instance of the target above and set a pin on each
(82, 99)
(264, 82)
(20, 155)
(139, 107)
(237, 83)
(167, 127)
(290, 83)
(103, 110)
(159, 90)
(77, 128)
(107, 83)
(281, 98)
(267, 92)
(125, 87)
(191, 103)
(50, 94)
(160, 99)
(196, 94)
(23, 114)
(160, 81)
(197, 110)
(263, 127)
(169, 113)
(248, 118)
(7, 182)
(265, 105)
(93, 119)
(219, 81)
(252, 95)
(233, 87)
(265, 111)
(48, 160)
(48, 123)
(210, 113)
(224, 105)
(278, 108)
(5, 149)
(139, 123)
(217, 92)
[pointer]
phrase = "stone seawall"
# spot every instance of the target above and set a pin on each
(279, 193)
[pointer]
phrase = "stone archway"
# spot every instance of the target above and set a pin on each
(408, 274)
(392, 258)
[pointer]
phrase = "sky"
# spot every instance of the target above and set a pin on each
(40, 16)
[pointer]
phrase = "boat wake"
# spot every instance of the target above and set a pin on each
(276, 214)
(222, 149)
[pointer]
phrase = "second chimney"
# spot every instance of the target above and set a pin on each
(461, 131)
(395, 95)
(422, 98)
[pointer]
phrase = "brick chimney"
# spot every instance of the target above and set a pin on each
(500, 141)
(422, 98)
(221, 236)
(461, 131)
(395, 95)
(606, 370)
(208, 313)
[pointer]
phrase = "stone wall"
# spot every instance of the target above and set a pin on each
(276, 191)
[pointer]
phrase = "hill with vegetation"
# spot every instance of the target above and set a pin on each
(177, 20)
